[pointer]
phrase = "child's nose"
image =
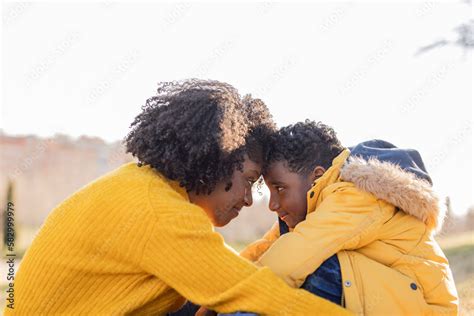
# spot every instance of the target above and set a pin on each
(274, 205)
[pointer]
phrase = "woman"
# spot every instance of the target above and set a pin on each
(140, 239)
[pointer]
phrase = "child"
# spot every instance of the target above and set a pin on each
(372, 205)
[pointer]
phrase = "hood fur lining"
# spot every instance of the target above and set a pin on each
(391, 183)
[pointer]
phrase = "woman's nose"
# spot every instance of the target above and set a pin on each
(248, 199)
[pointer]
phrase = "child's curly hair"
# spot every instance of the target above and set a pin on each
(198, 132)
(303, 146)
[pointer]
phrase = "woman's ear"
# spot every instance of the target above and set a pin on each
(317, 172)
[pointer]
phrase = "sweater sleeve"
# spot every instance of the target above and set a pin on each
(184, 252)
(253, 251)
(346, 219)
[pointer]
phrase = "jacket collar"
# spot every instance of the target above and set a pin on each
(332, 175)
(389, 182)
(386, 181)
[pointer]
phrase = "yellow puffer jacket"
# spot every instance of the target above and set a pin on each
(380, 220)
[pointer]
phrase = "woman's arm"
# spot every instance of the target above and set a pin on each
(184, 252)
(253, 251)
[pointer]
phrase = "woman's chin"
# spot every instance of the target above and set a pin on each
(224, 221)
(221, 223)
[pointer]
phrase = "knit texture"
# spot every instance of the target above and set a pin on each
(131, 242)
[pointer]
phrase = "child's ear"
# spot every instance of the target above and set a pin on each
(317, 172)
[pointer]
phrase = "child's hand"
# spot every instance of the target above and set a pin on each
(205, 312)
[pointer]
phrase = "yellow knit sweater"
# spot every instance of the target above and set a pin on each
(131, 242)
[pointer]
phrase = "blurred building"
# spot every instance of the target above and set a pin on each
(45, 171)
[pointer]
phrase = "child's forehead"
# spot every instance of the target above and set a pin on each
(279, 165)
(278, 170)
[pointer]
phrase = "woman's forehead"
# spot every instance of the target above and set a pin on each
(251, 166)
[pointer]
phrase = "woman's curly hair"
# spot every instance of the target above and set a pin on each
(198, 132)
(303, 146)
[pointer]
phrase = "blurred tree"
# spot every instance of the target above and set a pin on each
(450, 222)
(469, 219)
(464, 37)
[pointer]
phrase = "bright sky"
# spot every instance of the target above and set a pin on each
(88, 68)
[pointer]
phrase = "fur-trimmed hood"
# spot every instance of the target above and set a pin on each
(397, 176)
